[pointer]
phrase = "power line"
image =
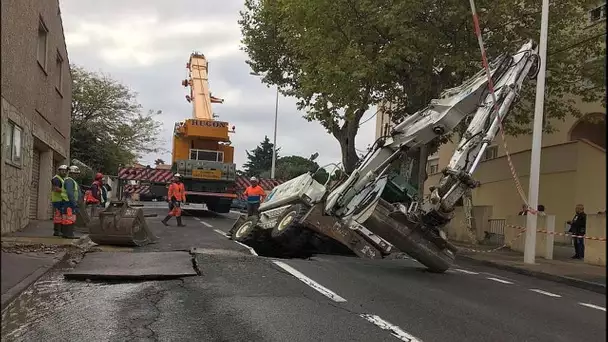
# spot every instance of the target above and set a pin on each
(577, 44)
(371, 117)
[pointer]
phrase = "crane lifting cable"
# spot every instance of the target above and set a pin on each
(484, 61)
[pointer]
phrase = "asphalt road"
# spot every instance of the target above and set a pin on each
(243, 297)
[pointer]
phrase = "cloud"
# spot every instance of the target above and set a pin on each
(146, 44)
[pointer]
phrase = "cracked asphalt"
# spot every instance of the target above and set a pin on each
(242, 297)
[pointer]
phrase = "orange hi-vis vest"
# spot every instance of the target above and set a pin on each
(178, 191)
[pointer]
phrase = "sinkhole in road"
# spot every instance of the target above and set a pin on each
(314, 244)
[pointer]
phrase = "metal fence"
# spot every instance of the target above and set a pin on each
(495, 235)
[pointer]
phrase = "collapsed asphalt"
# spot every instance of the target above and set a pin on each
(242, 297)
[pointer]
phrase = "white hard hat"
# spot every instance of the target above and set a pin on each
(62, 167)
(253, 179)
(74, 169)
(177, 175)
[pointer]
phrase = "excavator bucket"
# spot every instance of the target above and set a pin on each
(122, 225)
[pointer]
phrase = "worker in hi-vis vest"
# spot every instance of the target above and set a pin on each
(59, 199)
(71, 207)
(255, 195)
(176, 196)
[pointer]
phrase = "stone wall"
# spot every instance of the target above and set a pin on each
(16, 179)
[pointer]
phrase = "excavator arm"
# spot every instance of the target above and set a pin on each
(356, 198)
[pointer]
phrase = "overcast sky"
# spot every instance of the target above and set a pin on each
(145, 44)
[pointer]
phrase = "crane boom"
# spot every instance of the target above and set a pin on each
(200, 95)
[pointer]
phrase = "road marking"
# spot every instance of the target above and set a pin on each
(545, 293)
(320, 288)
(196, 218)
(206, 224)
(593, 306)
(220, 232)
(251, 250)
(499, 280)
(393, 329)
(465, 271)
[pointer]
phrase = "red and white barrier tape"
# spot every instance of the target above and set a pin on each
(522, 231)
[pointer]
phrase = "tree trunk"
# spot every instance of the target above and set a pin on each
(346, 138)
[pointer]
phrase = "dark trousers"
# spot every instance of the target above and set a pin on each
(579, 247)
(253, 209)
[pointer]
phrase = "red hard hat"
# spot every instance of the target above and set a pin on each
(98, 176)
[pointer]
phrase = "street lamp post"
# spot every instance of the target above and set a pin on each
(274, 140)
(537, 133)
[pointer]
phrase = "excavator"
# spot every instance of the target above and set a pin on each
(353, 213)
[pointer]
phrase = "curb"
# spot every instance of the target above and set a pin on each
(582, 284)
(14, 292)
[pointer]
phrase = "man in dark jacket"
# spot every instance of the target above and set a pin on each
(578, 228)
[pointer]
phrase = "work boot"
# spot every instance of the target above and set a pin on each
(57, 229)
(179, 222)
(68, 232)
(166, 219)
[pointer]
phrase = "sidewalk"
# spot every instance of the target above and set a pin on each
(572, 272)
(28, 254)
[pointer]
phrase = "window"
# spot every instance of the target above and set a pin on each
(597, 14)
(13, 143)
(59, 67)
(432, 166)
(491, 152)
(206, 155)
(43, 37)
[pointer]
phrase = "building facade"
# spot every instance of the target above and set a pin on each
(36, 108)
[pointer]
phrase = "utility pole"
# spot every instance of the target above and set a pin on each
(537, 134)
(274, 140)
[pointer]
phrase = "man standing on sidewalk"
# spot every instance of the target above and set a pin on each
(73, 191)
(176, 196)
(578, 228)
(59, 198)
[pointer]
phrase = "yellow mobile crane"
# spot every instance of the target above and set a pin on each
(201, 146)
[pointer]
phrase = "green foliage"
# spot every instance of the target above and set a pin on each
(259, 160)
(340, 57)
(293, 166)
(108, 126)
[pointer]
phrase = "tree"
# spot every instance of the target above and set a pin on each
(108, 125)
(341, 57)
(293, 166)
(159, 162)
(259, 159)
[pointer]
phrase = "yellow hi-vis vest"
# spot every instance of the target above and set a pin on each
(59, 196)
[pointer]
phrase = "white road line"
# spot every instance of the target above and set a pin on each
(196, 218)
(251, 250)
(545, 293)
(593, 306)
(320, 288)
(206, 224)
(220, 232)
(393, 329)
(499, 280)
(465, 271)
